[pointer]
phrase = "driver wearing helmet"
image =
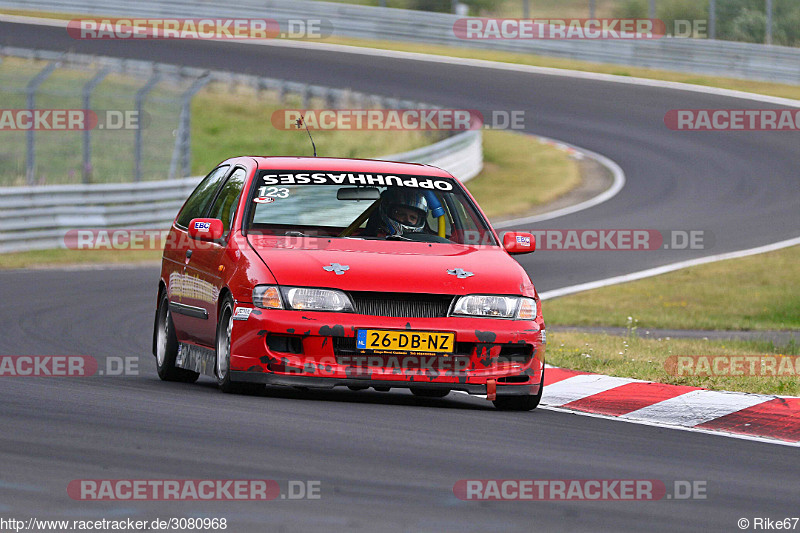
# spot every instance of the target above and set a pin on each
(402, 211)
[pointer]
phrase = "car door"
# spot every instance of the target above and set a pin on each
(203, 264)
(178, 250)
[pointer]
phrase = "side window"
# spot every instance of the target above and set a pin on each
(199, 199)
(225, 205)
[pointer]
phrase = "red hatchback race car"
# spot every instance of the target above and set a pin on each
(322, 272)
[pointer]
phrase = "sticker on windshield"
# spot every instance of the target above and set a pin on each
(349, 178)
(273, 192)
(264, 199)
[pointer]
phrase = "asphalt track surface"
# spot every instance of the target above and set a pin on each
(388, 461)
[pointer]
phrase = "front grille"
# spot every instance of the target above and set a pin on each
(401, 305)
(344, 345)
(285, 343)
(516, 353)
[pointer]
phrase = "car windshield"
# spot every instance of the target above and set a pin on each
(365, 206)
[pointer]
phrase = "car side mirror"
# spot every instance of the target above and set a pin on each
(206, 229)
(517, 242)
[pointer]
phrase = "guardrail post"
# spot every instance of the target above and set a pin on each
(87, 139)
(769, 21)
(183, 141)
(282, 92)
(712, 19)
(30, 146)
(141, 94)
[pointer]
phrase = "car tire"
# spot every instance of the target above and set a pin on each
(429, 393)
(222, 361)
(528, 402)
(167, 347)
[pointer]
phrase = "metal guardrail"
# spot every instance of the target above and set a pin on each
(51, 211)
(34, 218)
(461, 155)
(723, 58)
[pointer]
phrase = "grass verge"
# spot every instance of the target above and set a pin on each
(223, 123)
(226, 124)
(519, 173)
(752, 293)
(44, 258)
(646, 359)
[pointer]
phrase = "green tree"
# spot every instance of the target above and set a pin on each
(631, 9)
(749, 26)
(672, 10)
(442, 6)
(786, 18)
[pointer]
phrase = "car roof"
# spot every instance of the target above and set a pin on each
(348, 165)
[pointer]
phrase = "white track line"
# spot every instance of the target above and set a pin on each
(667, 268)
(717, 433)
(479, 63)
(616, 186)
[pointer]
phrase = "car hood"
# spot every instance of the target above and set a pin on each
(395, 266)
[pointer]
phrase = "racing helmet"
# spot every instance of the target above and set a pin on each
(403, 211)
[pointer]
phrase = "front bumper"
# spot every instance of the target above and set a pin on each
(317, 350)
(329, 383)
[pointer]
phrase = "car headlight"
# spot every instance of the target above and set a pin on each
(487, 305)
(310, 299)
(301, 298)
(267, 296)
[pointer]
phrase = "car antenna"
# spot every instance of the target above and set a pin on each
(302, 123)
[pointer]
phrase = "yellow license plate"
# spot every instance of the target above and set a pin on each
(405, 341)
